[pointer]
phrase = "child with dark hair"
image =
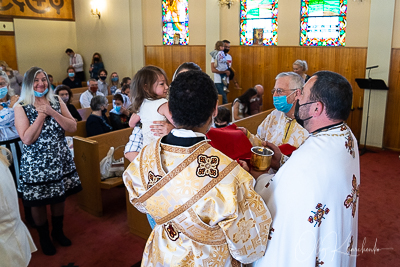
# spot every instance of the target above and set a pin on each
(223, 118)
(149, 91)
(241, 105)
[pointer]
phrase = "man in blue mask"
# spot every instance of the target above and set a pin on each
(72, 81)
(314, 196)
(280, 127)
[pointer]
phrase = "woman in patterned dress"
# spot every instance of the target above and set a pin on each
(48, 174)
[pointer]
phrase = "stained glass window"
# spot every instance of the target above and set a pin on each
(323, 22)
(259, 22)
(175, 18)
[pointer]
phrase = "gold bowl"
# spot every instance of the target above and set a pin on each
(261, 158)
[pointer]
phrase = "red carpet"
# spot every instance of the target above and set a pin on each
(379, 214)
(106, 241)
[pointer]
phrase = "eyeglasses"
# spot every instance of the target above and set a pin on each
(3, 84)
(301, 90)
(280, 91)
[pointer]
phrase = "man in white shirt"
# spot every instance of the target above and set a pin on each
(217, 76)
(76, 61)
(314, 196)
(87, 96)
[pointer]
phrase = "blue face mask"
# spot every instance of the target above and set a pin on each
(37, 94)
(117, 108)
(71, 74)
(114, 79)
(281, 104)
(3, 92)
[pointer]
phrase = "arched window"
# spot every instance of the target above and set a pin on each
(175, 18)
(259, 22)
(323, 22)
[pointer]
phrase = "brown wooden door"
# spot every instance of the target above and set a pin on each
(8, 52)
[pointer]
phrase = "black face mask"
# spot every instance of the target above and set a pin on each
(103, 78)
(104, 111)
(96, 59)
(297, 115)
(226, 51)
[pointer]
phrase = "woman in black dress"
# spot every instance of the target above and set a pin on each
(65, 94)
(48, 173)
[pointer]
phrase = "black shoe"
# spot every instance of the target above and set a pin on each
(28, 217)
(45, 241)
(57, 233)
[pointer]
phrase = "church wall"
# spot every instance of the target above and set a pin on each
(42, 43)
(396, 25)
(110, 36)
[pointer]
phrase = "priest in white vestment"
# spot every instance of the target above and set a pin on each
(314, 196)
(280, 126)
(203, 202)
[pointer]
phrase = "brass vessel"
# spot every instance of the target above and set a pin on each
(261, 158)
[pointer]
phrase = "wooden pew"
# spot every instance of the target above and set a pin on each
(219, 99)
(88, 154)
(79, 90)
(75, 101)
(251, 123)
(81, 125)
(228, 106)
(76, 96)
(80, 129)
(85, 113)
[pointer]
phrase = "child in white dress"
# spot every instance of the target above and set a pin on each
(220, 62)
(150, 89)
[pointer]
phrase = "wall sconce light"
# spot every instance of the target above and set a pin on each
(228, 3)
(94, 11)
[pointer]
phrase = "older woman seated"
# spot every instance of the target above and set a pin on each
(97, 123)
(119, 115)
(65, 94)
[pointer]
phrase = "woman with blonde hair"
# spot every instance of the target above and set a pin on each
(300, 67)
(114, 82)
(48, 173)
